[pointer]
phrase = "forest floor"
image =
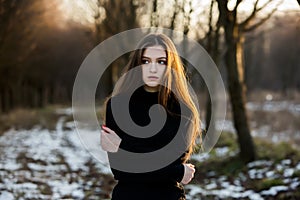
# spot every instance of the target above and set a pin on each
(42, 157)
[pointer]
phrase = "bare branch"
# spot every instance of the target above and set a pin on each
(177, 8)
(254, 26)
(187, 16)
(222, 6)
(263, 6)
(251, 16)
(237, 4)
(246, 22)
(154, 15)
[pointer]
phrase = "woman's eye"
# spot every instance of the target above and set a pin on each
(145, 61)
(162, 62)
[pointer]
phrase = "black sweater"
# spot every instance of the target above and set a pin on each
(139, 105)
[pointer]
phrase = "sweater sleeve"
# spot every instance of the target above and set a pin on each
(171, 172)
(128, 142)
(111, 123)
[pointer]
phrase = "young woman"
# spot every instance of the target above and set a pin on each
(162, 78)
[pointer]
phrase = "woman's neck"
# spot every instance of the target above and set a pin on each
(150, 89)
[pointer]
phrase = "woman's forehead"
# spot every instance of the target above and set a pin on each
(154, 51)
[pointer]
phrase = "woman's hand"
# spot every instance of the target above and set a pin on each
(109, 140)
(189, 170)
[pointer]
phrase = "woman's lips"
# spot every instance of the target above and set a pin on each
(152, 77)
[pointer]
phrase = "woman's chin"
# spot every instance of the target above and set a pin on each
(151, 87)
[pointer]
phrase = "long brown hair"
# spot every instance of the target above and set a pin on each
(174, 77)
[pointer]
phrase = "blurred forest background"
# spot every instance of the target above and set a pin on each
(255, 44)
(43, 43)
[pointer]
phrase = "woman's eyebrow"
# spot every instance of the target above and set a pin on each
(156, 58)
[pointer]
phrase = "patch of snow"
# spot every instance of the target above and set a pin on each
(262, 131)
(90, 140)
(78, 194)
(274, 106)
(222, 178)
(294, 185)
(37, 167)
(211, 186)
(64, 111)
(286, 162)
(294, 108)
(280, 137)
(259, 163)
(298, 166)
(288, 172)
(257, 173)
(4, 195)
(70, 125)
(253, 106)
(27, 185)
(10, 165)
(231, 187)
(274, 190)
(222, 151)
(63, 188)
(237, 182)
(201, 157)
(270, 174)
(226, 125)
(242, 176)
(211, 173)
(193, 190)
(279, 167)
(230, 192)
(252, 195)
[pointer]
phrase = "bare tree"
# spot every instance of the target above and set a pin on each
(154, 15)
(34, 70)
(234, 39)
(212, 46)
(113, 17)
(15, 21)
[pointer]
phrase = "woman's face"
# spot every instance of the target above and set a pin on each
(154, 63)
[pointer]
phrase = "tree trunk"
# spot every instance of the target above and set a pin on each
(213, 50)
(235, 75)
(1, 96)
(236, 86)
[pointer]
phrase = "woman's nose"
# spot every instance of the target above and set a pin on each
(153, 68)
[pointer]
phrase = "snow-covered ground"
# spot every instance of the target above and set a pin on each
(267, 125)
(223, 188)
(44, 164)
(275, 106)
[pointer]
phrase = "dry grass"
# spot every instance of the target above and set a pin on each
(22, 118)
